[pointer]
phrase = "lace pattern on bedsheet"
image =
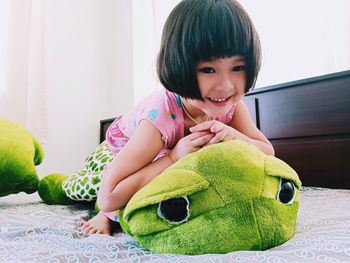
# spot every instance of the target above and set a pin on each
(31, 231)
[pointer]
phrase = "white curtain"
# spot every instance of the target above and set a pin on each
(22, 71)
(148, 21)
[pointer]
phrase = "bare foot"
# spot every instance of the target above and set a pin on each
(99, 224)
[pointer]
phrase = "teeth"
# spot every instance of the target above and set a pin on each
(217, 100)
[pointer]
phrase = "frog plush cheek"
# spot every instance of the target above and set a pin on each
(276, 221)
(221, 230)
(156, 202)
(278, 206)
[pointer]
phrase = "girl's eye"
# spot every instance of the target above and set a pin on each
(239, 68)
(207, 70)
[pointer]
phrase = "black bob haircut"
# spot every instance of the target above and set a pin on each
(202, 30)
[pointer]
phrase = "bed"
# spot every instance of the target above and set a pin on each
(308, 122)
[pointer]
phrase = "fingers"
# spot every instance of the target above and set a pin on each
(217, 127)
(196, 135)
(219, 137)
(220, 131)
(202, 126)
(209, 126)
(201, 141)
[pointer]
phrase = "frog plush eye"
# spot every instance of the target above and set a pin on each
(175, 210)
(286, 192)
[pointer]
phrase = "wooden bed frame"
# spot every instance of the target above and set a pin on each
(308, 123)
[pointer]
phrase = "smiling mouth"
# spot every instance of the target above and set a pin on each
(218, 101)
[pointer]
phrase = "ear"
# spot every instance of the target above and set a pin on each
(170, 184)
(277, 168)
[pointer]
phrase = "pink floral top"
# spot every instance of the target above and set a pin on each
(164, 110)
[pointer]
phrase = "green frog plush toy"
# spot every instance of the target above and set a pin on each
(20, 152)
(225, 197)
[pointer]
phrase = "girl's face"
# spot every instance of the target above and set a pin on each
(222, 83)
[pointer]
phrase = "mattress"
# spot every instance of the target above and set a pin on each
(31, 231)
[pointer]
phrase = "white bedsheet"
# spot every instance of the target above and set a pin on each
(31, 231)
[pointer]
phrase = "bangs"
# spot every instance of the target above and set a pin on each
(204, 30)
(217, 32)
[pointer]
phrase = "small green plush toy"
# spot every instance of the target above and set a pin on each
(225, 197)
(80, 186)
(20, 152)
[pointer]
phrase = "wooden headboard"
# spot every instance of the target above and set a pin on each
(308, 123)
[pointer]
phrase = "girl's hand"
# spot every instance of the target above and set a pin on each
(190, 143)
(221, 131)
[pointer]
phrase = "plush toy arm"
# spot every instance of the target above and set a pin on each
(18, 156)
(51, 192)
(39, 152)
(82, 185)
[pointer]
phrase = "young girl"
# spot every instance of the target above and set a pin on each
(209, 58)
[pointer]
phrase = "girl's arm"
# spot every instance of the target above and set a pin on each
(246, 130)
(133, 167)
(126, 188)
(141, 149)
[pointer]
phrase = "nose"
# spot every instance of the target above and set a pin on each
(224, 83)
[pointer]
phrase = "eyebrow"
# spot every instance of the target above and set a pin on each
(237, 58)
(234, 61)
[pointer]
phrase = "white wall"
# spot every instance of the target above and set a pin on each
(4, 21)
(89, 76)
(301, 39)
(148, 20)
(144, 49)
(118, 56)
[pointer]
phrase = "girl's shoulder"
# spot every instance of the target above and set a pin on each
(163, 109)
(161, 98)
(160, 104)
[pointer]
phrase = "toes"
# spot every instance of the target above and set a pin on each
(106, 232)
(85, 225)
(87, 229)
(93, 231)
